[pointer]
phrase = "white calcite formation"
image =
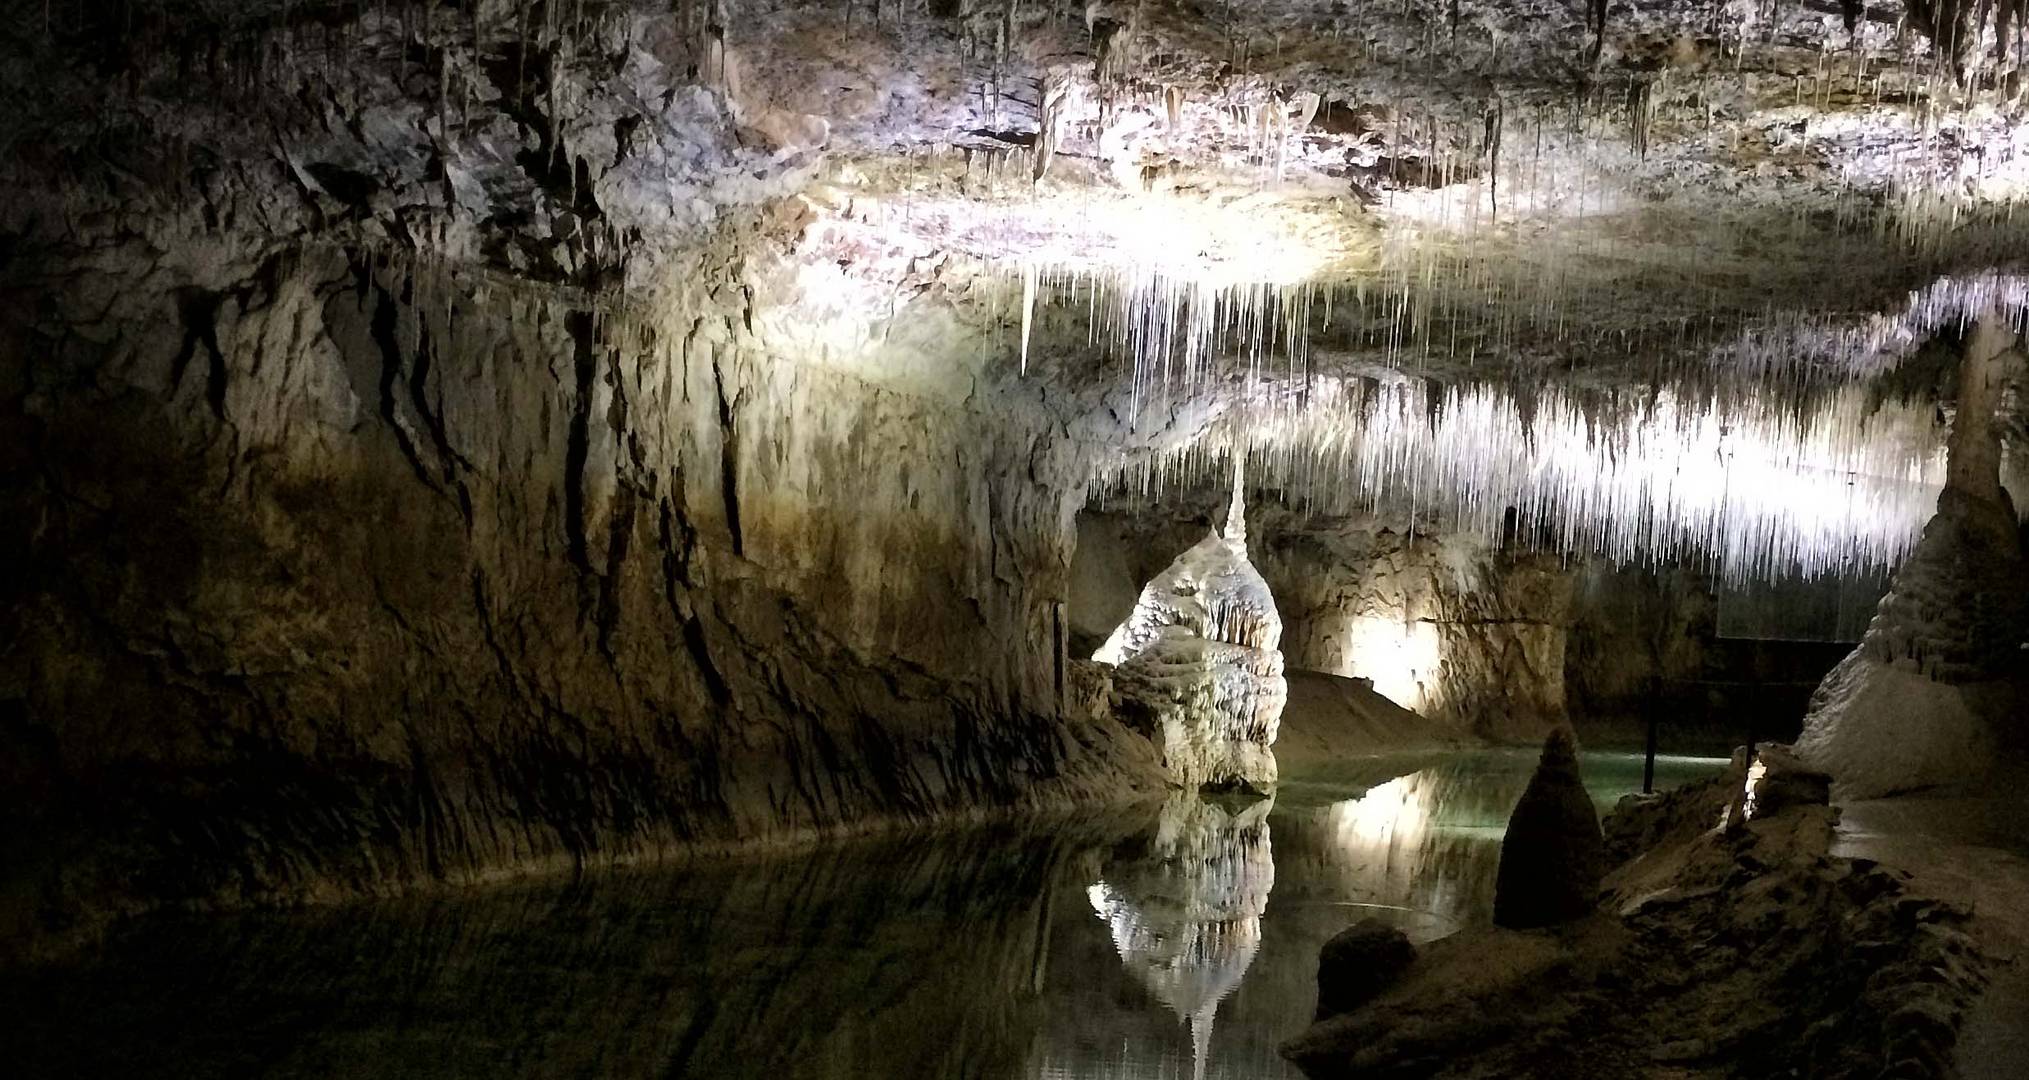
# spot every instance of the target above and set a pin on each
(1926, 697)
(1199, 664)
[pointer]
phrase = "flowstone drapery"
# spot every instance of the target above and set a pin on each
(1199, 664)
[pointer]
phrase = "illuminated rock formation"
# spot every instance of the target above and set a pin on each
(1198, 664)
(456, 440)
(1930, 691)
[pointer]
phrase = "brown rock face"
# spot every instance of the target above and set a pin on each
(1553, 856)
(376, 576)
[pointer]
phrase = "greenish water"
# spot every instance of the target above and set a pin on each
(1176, 942)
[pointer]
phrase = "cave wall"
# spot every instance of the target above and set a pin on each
(337, 572)
(1645, 640)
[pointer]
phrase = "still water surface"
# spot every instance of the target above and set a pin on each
(1177, 943)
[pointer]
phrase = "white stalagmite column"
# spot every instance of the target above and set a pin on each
(1199, 662)
(1935, 683)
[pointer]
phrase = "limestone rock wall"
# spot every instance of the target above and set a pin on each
(1645, 639)
(1441, 626)
(334, 573)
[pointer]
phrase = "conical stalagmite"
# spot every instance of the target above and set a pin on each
(1553, 856)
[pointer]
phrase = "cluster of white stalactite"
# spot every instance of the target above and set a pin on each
(1172, 326)
(1175, 328)
(1848, 348)
(1758, 488)
(1769, 456)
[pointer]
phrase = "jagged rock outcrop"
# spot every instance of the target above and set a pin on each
(1198, 666)
(1553, 855)
(1937, 685)
(1708, 930)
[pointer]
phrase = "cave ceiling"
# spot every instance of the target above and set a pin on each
(1773, 201)
(1608, 182)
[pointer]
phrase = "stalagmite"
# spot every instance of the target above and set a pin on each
(1199, 666)
(1936, 684)
(1553, 855)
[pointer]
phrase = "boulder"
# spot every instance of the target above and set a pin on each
(1553, 855)
(1358, 963)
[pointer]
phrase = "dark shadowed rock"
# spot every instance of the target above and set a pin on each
(1553, 856)
(1358, 963)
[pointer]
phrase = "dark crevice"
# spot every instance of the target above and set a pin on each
(198, 309)
(620, 533)
(433, 420)
(483, 605)
(729, 461)
(679, 541)
(584, 366)
(715, 681)
(383, 333)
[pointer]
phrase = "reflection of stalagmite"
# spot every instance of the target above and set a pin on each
(1200, 666)
(1186, 915)
(1924, 697)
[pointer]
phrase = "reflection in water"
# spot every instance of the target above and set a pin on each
(1423, 845)
(1185, 915)
(963, 954)
(891, 958)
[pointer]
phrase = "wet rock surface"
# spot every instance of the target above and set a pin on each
(1198, 665)
(1938, 684)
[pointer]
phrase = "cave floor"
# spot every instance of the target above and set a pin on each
(1181, 940)
(1972, 849)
